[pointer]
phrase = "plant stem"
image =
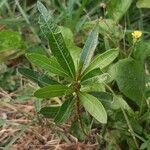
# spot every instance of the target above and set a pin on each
(78, 114)
(130, 128)
(77, 90)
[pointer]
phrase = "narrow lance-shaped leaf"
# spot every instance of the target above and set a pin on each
(48, 64)
(92, 87)
(143, 4)
(94, 107)
(65, 111)
(105, 97)
(91, 74)
(50, 111)
(53, 91)
(42, 80)
(56, 41)
(103, 60)
(89, 48)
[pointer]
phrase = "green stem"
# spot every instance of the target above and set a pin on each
(130, 128)
(77, 90)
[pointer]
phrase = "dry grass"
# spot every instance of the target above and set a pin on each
(21, 130)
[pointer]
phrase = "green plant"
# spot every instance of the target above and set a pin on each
(73, 84)
(84, 82)
(11, 45)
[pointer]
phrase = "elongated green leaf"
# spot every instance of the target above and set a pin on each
(105, 97)
(103, 60)
(117, 8)
(53, 91)
(129, 75)
(42, 80)
(91, 74)
(56, 41)
(94, 107)
(44, 12)
(64, 111)
(103, 78)
(143, 4)
(60, 51)
(48, 64)
(49, 112)
(89, 48)
(73, 49)
(92, 87)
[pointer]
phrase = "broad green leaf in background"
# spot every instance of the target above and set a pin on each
(67, 35)
(94, 107)
(42, 80)
(53, 91)
(117, 9)
(48, 64)
(143, 4)
(106, 27)
(49, 112)
(109, 27)
(129, 75)
(119, 102)
(103, 60)
(11, 43)
(147, 92)
(64, 111)
(89, 48)
(142, 51)
(56, 41)
(10, 40)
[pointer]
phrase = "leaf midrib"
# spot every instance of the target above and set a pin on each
(70, 71)
(109, 56)
(63, 56)
(92, 103)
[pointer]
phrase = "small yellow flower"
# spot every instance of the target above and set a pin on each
(136, 34)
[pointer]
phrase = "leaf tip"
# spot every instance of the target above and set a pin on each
(36, 94)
